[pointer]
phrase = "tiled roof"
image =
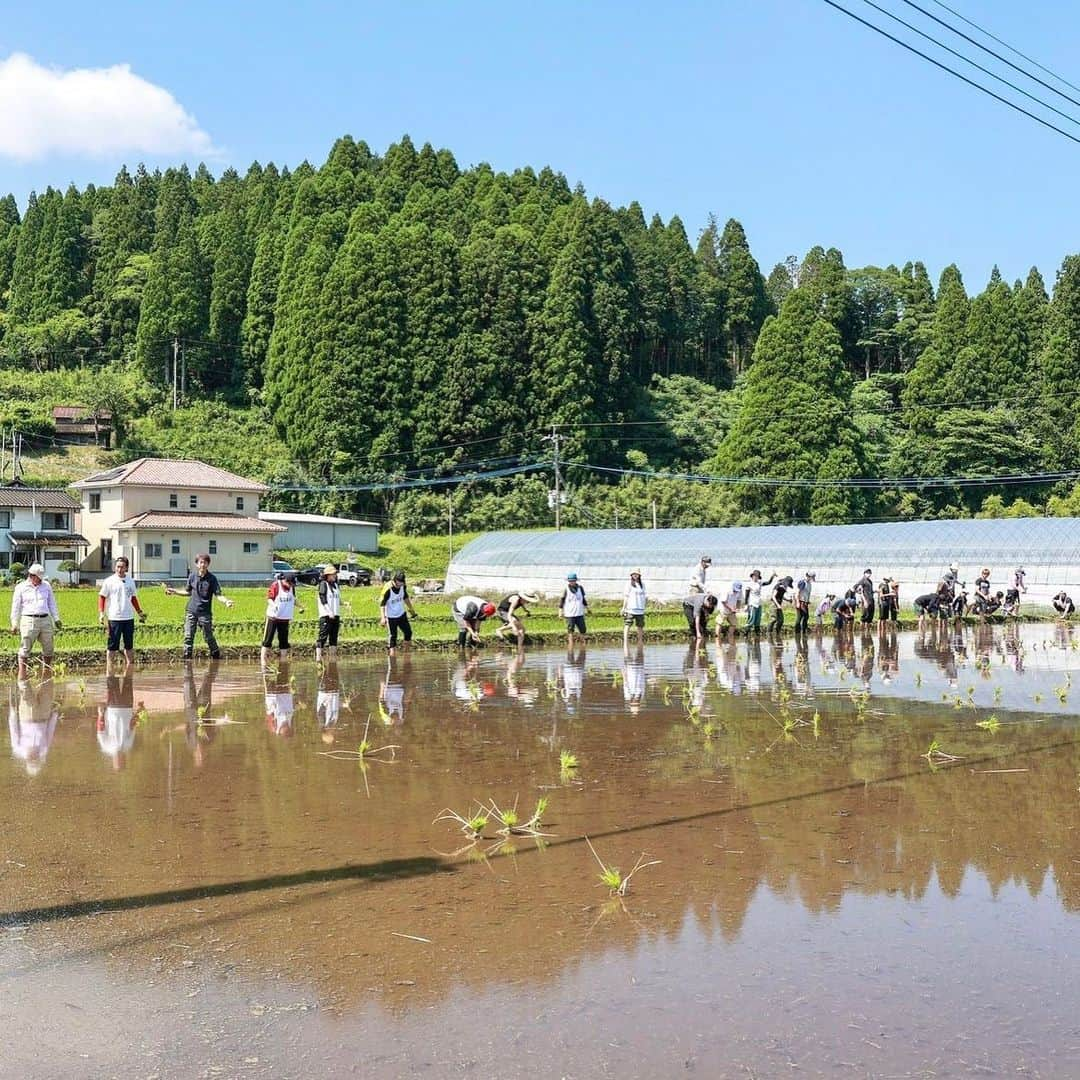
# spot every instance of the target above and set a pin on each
(50, 538)
(170, 473)
(42, 498)
(79, 412)
(181, 521)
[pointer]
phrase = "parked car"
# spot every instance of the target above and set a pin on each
(351, 573)
(282, 567)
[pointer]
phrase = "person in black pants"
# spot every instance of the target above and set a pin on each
(865, 592)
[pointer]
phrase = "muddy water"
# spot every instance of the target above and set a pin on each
(195, 880)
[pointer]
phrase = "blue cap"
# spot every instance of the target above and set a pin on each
(571, 576)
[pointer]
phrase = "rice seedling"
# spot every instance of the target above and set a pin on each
(991, 723)
(693, 713)
(1038, 698)
(616, 882)
(710, 728)
(472, 826)
(997, 695)
(936, 755)
(364, 749)
(567, 760)
(511, 823)
(665, 693)
(816, 723)
(918, 678)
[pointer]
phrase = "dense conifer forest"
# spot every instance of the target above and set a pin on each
(394, 318)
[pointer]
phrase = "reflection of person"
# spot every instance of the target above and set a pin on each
(523, 695)
(118, 603)
(32, 718)
(328, 701)
(34, 617)
(392, 695)
(329, 593)
(633, 683)
(201, 588)
(573, 678)
(279, 702)
(116, 720)
(197, 703)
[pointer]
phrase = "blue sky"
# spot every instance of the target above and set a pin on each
(782, 113)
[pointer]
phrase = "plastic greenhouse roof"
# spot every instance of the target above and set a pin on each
(991, 540)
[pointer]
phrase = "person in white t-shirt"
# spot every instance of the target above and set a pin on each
(118, 604)
(633, 610)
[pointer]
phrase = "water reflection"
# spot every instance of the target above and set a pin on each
(116, 719)
(33, 714)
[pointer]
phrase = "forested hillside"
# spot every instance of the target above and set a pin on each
(383, 317)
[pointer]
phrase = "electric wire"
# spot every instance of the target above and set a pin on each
(1016, 52)
(967, 60)
(995, 55)
(952, 71)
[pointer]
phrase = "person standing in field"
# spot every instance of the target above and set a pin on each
(281, 605)
(329, 603)
(393, 604)
(865, 590)
(201, 588)
(779, 595)
(753, 600)
(118, 603)
(34, 617)
(699, 573)
(633, 610)
(573, 607)
(728, 612)
(802, 601)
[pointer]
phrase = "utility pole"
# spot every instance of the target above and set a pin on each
(183, 373)
(175, 371)
(450, 515)
(556, 439)
(654, 513)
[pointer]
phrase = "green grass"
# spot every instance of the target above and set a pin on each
(420, 557)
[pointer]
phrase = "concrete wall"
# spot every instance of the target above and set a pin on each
(231, 561)
(326, 536)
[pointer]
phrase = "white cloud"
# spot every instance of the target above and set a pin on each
(92, 112)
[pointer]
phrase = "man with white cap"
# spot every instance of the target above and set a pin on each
(699, 573)
(34, 617)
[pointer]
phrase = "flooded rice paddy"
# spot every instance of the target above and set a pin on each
(198, 880)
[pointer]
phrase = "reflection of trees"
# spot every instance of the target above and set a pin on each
(812, 818)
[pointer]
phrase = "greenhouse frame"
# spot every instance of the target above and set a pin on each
(914, 553)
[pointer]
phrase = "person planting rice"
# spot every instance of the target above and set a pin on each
(729, 609)
(697, 608)
(779, 596)
(507, 611)
(824, 608)
(469, 612)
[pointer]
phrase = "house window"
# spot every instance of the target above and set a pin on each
(152, 551)
(174, 500)
(251, 547)
(95, 501)
(211, 547)
(239, 502)
(5, 519)
(174, 547)
(193, 501)
(51, 519)
(59, 556)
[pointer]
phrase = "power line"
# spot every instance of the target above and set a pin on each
(952, 71)
(995, 55)
(986, 33)
(968, 60)
(441, 481)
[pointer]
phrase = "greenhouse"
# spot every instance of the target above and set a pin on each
(915, 553)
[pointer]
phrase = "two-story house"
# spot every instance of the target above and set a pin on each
(162, 512)
(39, 525)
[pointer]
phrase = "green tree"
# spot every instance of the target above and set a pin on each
(746, 303)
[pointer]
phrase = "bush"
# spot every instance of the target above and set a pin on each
(17, 571)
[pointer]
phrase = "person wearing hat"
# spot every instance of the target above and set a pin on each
(697, 608)
(329, 605)
(34, 617)
(802, 601)
(572, 607)
(699, 573)
(507, 611)
(469, 612)
(729, 609)
(753, 600)
(864, 589)
(779, 595)
(201, 588)
(888, 600)
(393, 604)
(633, 610)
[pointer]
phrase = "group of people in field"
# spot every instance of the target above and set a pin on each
(35, 616)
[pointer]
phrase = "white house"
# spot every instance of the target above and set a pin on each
(161, 512)
(39, 525)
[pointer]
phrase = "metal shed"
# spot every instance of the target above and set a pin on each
(321, 533)
(915, 553)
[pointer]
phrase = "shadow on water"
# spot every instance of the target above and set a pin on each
(387, 870)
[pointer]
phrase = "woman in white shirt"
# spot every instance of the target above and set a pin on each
(633, 610)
